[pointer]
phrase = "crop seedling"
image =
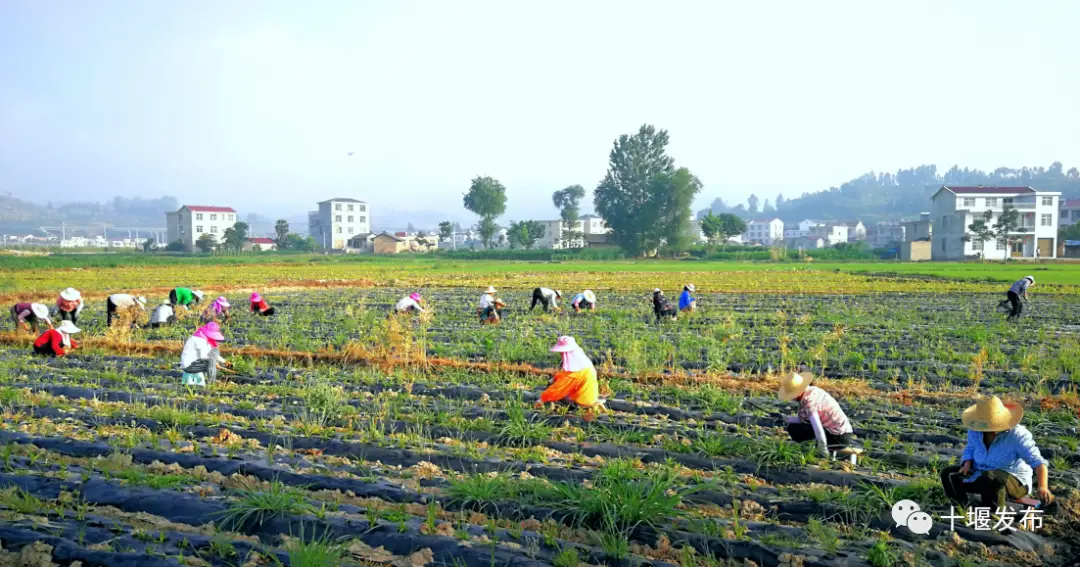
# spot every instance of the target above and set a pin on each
(259, 506)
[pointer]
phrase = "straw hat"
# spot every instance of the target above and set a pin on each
(991, 415)
(794, 385)
(490, 289)
(70, 294)
(1030, 278)
(565, 344)
(690, 287)
(558, 294)
(67, 327)
(590, 296)
(141, 301)
(40, 311)
(657, 290)
(198, 294)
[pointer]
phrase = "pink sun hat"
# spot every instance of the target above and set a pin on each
(565, 344)
(255, 297)
(415, 296)
(212, 331)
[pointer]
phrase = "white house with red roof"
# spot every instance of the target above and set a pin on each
(192, 221)
(956, 208)
(263, 243)
(764, 231)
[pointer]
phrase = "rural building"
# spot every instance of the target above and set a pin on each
(920, 229)
(553, 235)
(1069, 249)
(264, 244)
(594, 224)
(884, 234)
(192, 221)
(338, 220)
(361, 243)
(833, 233)
(1069, 212)
(856, 230)
(806, 243)
(915, 251)
(764, 231)
(955, 208)
(386, 243)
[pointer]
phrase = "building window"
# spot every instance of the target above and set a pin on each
(944, 225)
(942, 244)
(339, 230)
(213, 217)
(337, 218)
(350, 216)
(363, 219)
(1000, 244)
(198, 229)
(198, 216)
(232, 217)
(969, 201)
(1046, 220)
(1007, 202)
(337, 207)
(1048, 201)
(350, 207)
(991, 201)
(977, 245)
(363, 208)
(350, 230)
(213, 229)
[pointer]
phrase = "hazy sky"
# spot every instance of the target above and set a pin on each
(256, 104)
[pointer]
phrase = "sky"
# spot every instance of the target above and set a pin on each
(258, 104)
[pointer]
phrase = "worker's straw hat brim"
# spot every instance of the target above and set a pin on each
(70, 294)
(991, 415)
(794, 385)
(590, 296)
(68, 327)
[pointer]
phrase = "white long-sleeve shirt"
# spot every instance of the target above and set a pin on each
(197, 348)
(406, 303)
(549, 294)
(125, 300)
(486, 300)
(161, 314)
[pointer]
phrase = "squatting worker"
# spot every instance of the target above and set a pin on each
(410, 304)
(999, 458)
(576, 382)
(28, 315)
(58, 341)
(661, 306)
(819, 417)
(490, 306)
(585, 300)
(162, 315)
(1016, 292)
(200, 357)
(217, 311)
(259, 306)
(69, 305)
(546, 297)
(687, 303)
(185, 297)
(124, 301)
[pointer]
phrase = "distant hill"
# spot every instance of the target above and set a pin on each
(890, 196)
(18, 216)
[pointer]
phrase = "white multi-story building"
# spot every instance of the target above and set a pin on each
(832, 233)
(856, 230)
(554, 237)
(956, 208)
(764, 231)
(192, 221)
(338, 220)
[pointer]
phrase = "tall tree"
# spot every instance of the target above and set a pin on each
(148, 244)
(642, 190)
(719, 228)
(206, 242)
(1006, 228)
(525, 233)
(568, 201)
(235, 236)
(281, 229)
(446, 230)
(980, 230)
(487, 198)
(752, 204)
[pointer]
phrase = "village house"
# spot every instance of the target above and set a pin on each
(956, 208)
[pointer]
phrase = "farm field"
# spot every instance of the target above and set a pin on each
(345, 438)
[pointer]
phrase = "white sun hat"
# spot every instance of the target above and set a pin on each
(590, 296)
(490, 289)
(691, 287)
(198, 294)
(70, 294)
(40, 311)
(67, 327)
(141, 301)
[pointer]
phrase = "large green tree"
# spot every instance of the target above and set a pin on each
(1007, 229)
(446, 230)
(980, 231)
(643, 198)
(206, 242)
(281, 229)
(486, 198)
(234, 236)
(719, 228)
(568, 201)
(525, 233)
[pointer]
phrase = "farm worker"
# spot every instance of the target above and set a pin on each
(490, 306)
(819, 417)
(28, 315)
(576, 381)
(999, 457)
(58, 341)
(217, 311)
(200, 356)
(1018, 290)
(259, 306)
(69, 305)
(687, 303)
(546, 297)
(162, 315)
(184, 297)
(124, 301)
(661, 306)
(584, 300)
(409, 304)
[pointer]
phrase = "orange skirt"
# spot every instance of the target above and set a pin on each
(581, 387)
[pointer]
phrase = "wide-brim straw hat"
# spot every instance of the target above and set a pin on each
(794, 385)
(490, 289)
(691, 287)
(141, 301)
(68, 327)
(991, 415)
(558, 293)
(565, 344)
(70, 294)
(590, 296)
(198, 294)
(657, 290)
(40, 311)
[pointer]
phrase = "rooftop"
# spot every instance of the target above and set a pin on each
(261, 240)
(341, 200)
(988, 190)
(1070, 203)
(206, 209)
(765, 220)
(388, 235)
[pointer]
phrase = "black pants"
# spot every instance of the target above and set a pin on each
(267, 313)
(538, 297)
(584, 305)
(1017, 306)
(664, 310)
(44, 350)
(994, 488)
(168, 321)
(31, 320)
(172, 297)
(72, 315)
(801, 432)
(110, 312)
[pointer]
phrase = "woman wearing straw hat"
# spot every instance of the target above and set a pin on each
(576, 382)
(259, 306)
(28, 315)
(69, 304)
(999, 457)
(58, 341)
(127, 302)
(490, 307)
(819, 418)
(200, 356)
(547, 297)
(661, 307)
(687, 303)
(585, 300)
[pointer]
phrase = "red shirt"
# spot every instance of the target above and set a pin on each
(56, 339)
(260, 306)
